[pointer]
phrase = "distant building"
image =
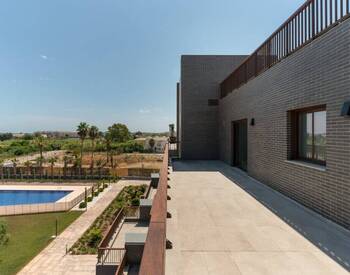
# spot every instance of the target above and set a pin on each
(159, 143)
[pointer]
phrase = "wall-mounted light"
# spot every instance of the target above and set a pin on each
(252, 121)
(345, 110)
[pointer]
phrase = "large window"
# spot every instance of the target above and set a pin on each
(311, 135)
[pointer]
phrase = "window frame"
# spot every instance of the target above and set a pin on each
(296, 130)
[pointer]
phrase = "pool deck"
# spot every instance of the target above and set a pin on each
(76, 195)
(224, 222)
(75, 190)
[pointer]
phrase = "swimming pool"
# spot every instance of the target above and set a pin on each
(16, 197)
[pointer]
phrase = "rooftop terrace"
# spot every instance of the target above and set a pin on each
(224, 222)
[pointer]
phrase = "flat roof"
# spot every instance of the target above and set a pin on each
(224, 222)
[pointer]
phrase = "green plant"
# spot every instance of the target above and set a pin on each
(40, 142)
(88, 242)
(83, 204)
(82, 130)
(135, 202)
(94, 237)
(93, 135)
(89, 199)
(4, 236)
(105, 185)
(100, 189)
(96, 193)
(119, 132)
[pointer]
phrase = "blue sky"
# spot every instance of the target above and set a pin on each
(106, 61)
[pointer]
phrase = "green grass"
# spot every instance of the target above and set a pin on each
(29, 234)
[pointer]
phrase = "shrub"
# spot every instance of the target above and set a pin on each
(100, 190)
(82, 204)
(89, 199)
(95, 193)
(94, 237)
(135, 202)
(105, 185)
(4, 236)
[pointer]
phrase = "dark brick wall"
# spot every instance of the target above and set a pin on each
(198, 125)
(315, 75)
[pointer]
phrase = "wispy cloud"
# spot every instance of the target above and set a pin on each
(43, 56)
(144, 111)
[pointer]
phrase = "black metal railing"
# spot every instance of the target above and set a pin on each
(312, 19)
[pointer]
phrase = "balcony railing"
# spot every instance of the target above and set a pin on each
(153, 258)
(312, 19)
(110, 255)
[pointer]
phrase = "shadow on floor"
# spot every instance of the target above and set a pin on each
(329, 237)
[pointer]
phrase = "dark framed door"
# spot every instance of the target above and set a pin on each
(240, 143)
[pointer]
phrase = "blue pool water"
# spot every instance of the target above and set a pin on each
(14, 197)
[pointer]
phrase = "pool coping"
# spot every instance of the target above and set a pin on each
(76, 195)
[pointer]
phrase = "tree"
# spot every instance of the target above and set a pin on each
(6, 136)
(151, 143)
(39, 142)
(52, 162)
(83, 131)
(14, 163)
(107, 141)
(1, 168)
(100, 164)
(93, 135)
(119, 132)
(28, 165)
(66, 160)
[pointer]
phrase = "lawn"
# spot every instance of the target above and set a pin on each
(29, 234)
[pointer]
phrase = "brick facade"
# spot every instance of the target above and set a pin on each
(198, 123)
(315, 75)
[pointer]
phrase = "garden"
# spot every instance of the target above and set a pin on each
(89, 241)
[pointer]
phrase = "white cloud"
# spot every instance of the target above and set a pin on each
(144, 111)
(43, 56)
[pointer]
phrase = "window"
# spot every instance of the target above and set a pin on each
(309, 131)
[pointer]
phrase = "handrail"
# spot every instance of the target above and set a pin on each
(111, 230)
(120, 269)
(110, 255)
(153, 258)
(312, 19)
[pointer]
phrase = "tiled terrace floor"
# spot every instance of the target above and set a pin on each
(224, 222)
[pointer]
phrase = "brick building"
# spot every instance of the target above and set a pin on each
(282, 114)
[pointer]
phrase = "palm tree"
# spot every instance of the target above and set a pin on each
(28, 165)
(14, 163)
(66, 160)
(52, 162)
(93, 135)
(100, 164)
(1, 168)
(107, 140)
(83, 131)
(39, 142)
